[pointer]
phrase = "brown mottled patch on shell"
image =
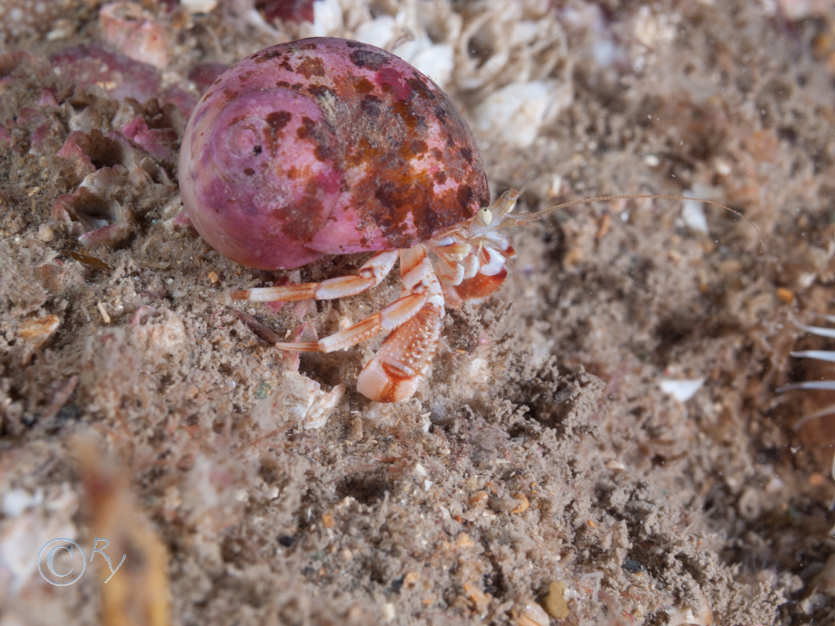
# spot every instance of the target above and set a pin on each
(324, 148)
(311, 66)
(423, 90)
(368, 58)
(305, 217)
(385, 135)
(268, 55)
(371, 105)
(465, 196)
(363, 85)
(407, 113)
(306, 128)
(278, 119)
(410, 149)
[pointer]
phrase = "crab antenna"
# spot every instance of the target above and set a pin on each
(624, 196)
(529, 218)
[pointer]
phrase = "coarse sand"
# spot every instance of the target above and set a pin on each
(600, 442)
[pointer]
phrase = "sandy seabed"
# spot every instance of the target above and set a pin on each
(601, 442)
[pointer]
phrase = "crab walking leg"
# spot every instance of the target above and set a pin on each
(415, 271)
(394, 315)
(403, 360)
(371, 274)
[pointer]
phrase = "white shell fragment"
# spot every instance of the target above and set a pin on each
(692, 212)
(198, 6)
(135, 32)
(681, 389)
(434, 60)
(516, 112)
(327, 18)
(377, 32)
(298, 400)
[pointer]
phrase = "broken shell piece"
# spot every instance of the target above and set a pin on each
(681, 389)
(697, 615)
(515, 113)
(87, 151)
(198, 6)
(162, 338)
(89, 66)
(299, 400)
(135, 33)
(95, 217)
(142, 586)
(37, 330)
(532, 615)
(158, 142)
(120, 181)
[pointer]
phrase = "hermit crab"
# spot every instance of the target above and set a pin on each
(326, 146)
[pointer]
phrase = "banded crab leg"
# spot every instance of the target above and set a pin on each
(371, 274)
(394, 315)
(402, 361)
(819, 355)
(414, 325)
(414, 276)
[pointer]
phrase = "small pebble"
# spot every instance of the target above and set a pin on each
(555, 603)
(816, 480)
(786, 296)
(45, 233)
(532, 615)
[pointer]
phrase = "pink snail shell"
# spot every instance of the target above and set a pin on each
(325, 146)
